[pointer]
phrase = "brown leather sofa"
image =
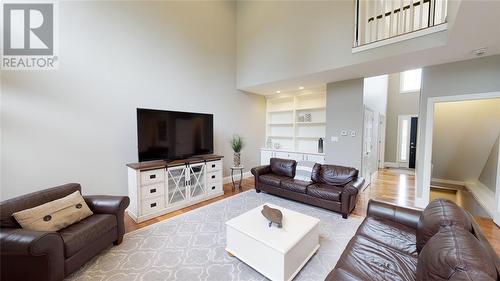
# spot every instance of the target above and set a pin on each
(34, 255)
(442, 242)
(332, 187)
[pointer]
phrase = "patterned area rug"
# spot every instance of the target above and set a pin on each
(191, 246)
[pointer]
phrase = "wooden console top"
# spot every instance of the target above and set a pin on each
(159, 164)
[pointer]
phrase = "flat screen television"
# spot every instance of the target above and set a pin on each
(172, 135)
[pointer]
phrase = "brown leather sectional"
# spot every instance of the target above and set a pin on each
(442, 242)
(332, 187)
(34, 255)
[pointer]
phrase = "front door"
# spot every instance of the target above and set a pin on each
(413, 142)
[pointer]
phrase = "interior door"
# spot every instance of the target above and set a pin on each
(413, 142)
(196, 180)
(177, 184)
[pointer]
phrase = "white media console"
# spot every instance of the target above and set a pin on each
(159, 187)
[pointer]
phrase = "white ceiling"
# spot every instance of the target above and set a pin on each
(475, 25)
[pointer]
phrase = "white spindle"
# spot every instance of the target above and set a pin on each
(376, 20)
(443, 10)
(400, 19)
(383, 19)
(421, 14)
(412, 16)
(391, 16)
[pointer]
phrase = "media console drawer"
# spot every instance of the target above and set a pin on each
(214, 166)
(152, 190)
(152, 205)
(152, 176)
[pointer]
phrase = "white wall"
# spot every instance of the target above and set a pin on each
(490, 173)
(344, 111)
(439, 81)
(78, 123)
(375, 98)
(463, 136)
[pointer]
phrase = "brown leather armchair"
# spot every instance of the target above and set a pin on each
(36, 255)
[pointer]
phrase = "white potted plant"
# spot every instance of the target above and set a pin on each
(237, 145)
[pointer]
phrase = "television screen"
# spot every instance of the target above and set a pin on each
(171, 135)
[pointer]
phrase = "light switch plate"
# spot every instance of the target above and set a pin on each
(353, 133)
(343, 133)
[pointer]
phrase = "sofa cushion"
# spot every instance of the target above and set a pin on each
(391, 234)
(454, 254)
(439, 212)
(283, 167)
(272, 179)
(54, 215)
(324, 191)
(85, 232)
(333, 175)
(295, 185)
(367, 259)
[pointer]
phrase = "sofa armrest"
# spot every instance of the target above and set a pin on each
(403, 215)
(258, 171)
(261, 170)
(349, 195)
(22, 247)
(115, 205)
(105, 204)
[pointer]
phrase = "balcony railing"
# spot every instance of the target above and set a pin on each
(378, 20)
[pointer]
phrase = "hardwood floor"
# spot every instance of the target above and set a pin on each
(393, 186)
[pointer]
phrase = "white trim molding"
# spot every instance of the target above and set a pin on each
(484, 196)
(423, 181)
(446, 181)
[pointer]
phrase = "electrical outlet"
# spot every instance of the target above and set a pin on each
(343, 133)
(353, 133)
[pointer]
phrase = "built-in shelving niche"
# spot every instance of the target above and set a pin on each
(297, 121)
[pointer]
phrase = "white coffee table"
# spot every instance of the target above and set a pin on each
(277, 253)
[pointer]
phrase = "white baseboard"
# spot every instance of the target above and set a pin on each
(445, 181)
(395, 165)
(237, 177)
(421, 202)
(485, 197)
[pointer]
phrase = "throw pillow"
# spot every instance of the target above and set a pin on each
(54, 215)
(303, 170)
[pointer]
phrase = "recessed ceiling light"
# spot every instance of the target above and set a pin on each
(301, 88)
(479, 52)
(277, 92)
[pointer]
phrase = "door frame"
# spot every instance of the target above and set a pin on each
(363, 150)
(423, 179)
(381, 140)
(404, 164)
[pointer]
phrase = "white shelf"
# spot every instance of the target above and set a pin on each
(310, 123)
(311, 138)
(310, 108)
(280, 124)
(280, 110)
(283, 127)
